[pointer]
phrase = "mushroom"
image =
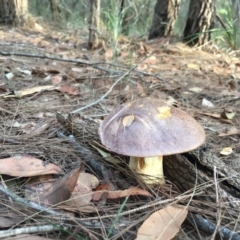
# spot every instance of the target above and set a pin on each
(147, 129)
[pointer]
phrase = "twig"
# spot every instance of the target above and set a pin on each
(215, 183)
(58, 59)
(36, 229)
(27, 203)
(103, 96)
(217, 201)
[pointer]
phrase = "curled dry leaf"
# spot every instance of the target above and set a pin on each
(26, 166)
(217, 116)
(82, 193)
(37, 186)
(163, 224)
(232, 131)
(133, 191)
(59, 191)
(30, 91)
(69, 89)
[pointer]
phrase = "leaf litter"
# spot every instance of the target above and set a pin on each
(179, 70)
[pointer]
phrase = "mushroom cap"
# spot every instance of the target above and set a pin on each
(150, 127)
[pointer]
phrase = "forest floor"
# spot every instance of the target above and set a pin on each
(48, 72)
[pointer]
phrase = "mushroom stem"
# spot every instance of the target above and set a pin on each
(152, 167)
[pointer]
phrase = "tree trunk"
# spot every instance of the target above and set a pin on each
(56, 11)
(200, 21)
(13, 11)
(165, 15)
(94, 24)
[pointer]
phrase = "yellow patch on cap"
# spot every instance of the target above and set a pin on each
(164, 112)
(128, 120)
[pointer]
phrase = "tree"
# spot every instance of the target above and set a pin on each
(13, 11)
(56, 11)
(200, 20)
(94, 24)
(165, 15)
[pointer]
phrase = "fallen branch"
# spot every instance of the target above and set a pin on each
(25, 230)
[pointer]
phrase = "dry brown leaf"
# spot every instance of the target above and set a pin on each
(26, 166)
(82, 193)
(9, 220)
(60, 190)
(109, 54)
(193, 66)
(218, 70)
(37, 186)
(163, 224)
(133, 191)
(56, 80)
(151, 60)
(141, 91)
(217, 116)
(69, 89)
(232, 131)
(30, 91)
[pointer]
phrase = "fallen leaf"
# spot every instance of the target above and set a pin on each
(228, 113)
(29, 127)
(60, 190)
(133, 191)
(196, 89)
(109, 54)
(151, 60)
(206, 103)
(141, 91)
(9, 76)
(106, 155)
(226, 151)
(26, 166)
(163, 224)
(37, 186)
(82, 194)
(69, 89)
(9, 220)
(56, 80)
(30, 91)
(217, 116)
(232, 131)
(26, 72)
(193, 66)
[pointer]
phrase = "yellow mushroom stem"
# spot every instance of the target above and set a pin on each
(151, 167)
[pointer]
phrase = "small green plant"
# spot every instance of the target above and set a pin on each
(112, 19)
(229, 34)
(116, 218)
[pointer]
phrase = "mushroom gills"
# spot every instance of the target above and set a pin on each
(151, 167)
